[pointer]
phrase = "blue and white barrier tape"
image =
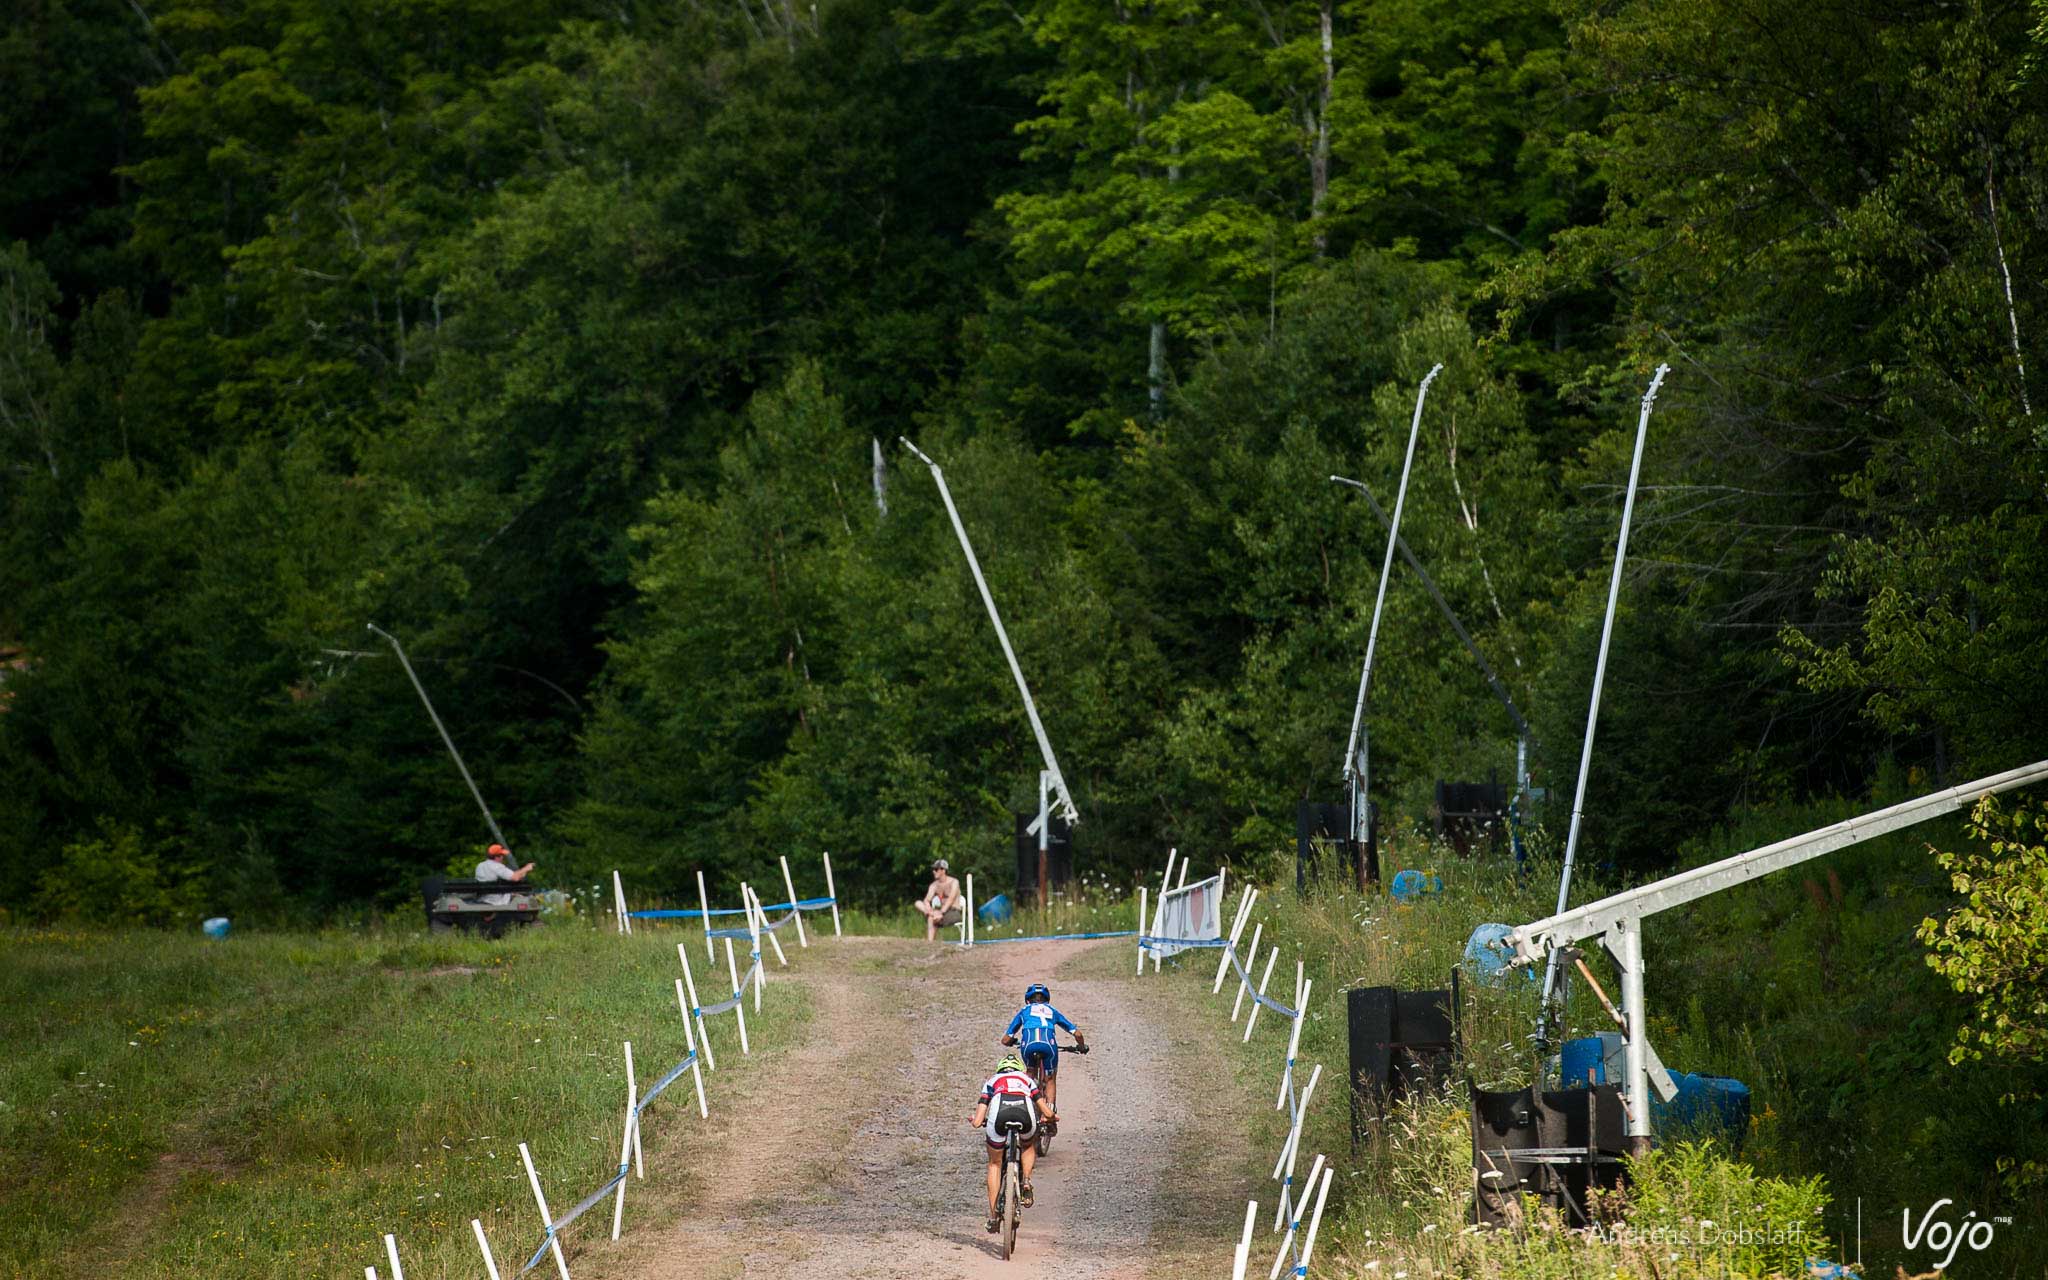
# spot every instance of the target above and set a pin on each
(1269, 1002)
(665, 913)
(737, 996)
(1059, 937)
(583, 1206)
(1148, 942)
(665, 1081)
(590, 1201)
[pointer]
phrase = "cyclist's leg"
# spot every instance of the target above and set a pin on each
(1044, 1062)
(1050, 1060)
(995, 1177)
(1030, 1159)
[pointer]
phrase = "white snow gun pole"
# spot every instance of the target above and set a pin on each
(449, 742)
(1571, 844)
(1052, 765)
(1356, 768)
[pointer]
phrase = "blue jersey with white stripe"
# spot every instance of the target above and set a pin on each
(1034, 1024)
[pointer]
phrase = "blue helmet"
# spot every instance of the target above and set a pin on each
(1037, 991)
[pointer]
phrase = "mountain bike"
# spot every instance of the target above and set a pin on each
(1031, 1068)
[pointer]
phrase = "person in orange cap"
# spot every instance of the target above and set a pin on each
(497, 865)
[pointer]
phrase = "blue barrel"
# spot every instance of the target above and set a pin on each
(1725, 1104)
(1486, 958)
(995, 910)
(1583, 1062)
(1706, 1106)
(1407, 886)
(216, 927)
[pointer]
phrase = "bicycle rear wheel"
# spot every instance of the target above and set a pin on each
(1011, 1192)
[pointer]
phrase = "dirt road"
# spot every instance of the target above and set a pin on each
(851, 1154)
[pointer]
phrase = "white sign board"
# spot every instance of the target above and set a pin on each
(1192, 911)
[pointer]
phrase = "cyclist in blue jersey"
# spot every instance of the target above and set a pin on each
(1034, 1030)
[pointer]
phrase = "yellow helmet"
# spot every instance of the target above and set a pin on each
(1010, 1062)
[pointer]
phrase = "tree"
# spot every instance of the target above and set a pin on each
(1993, 947)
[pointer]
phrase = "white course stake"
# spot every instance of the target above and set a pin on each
(619, 900)
(1294, 1223)
(757, 921)
(1253, 1021)
(704, 905)
(703, 1032)
(696, 1070)
(369, 1273)
(1308, 1249)
(391, 1252)
(1244, 1243)
(794, 910)
(1141, 930)
(1289, 1153)
(484, 1246)
(1222, 879)
(633, 1101)
(1183, 873)
(625, 1144)
(547, 1219)
(1244, 911)
(1251, 961)
(1293, 1042)
(968, 918)
(773, 940)
(1293, 1146)
(740, 1009)
(831, 893)
(1159, 907)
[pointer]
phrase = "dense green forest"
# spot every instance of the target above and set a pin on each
(571, 343)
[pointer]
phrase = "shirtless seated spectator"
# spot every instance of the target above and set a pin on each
(940, 905)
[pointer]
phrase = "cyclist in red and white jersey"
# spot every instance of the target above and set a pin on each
(1010, 1098)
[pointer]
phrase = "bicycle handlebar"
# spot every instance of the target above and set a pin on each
(1063, 1048)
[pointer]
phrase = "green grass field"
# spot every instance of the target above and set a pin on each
(268, 1105)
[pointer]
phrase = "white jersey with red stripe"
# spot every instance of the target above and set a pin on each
(1009, 1083)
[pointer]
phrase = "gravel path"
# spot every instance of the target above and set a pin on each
(852, 1154)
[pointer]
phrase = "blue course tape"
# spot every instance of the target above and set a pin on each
(556, 1227)
(1269, 1002)
(665, 913)
(733, 1002)
(1058, 937)
(665, 1082)
(584, 1206)
(1148, 942)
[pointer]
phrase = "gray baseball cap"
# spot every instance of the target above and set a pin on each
(939, 864)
